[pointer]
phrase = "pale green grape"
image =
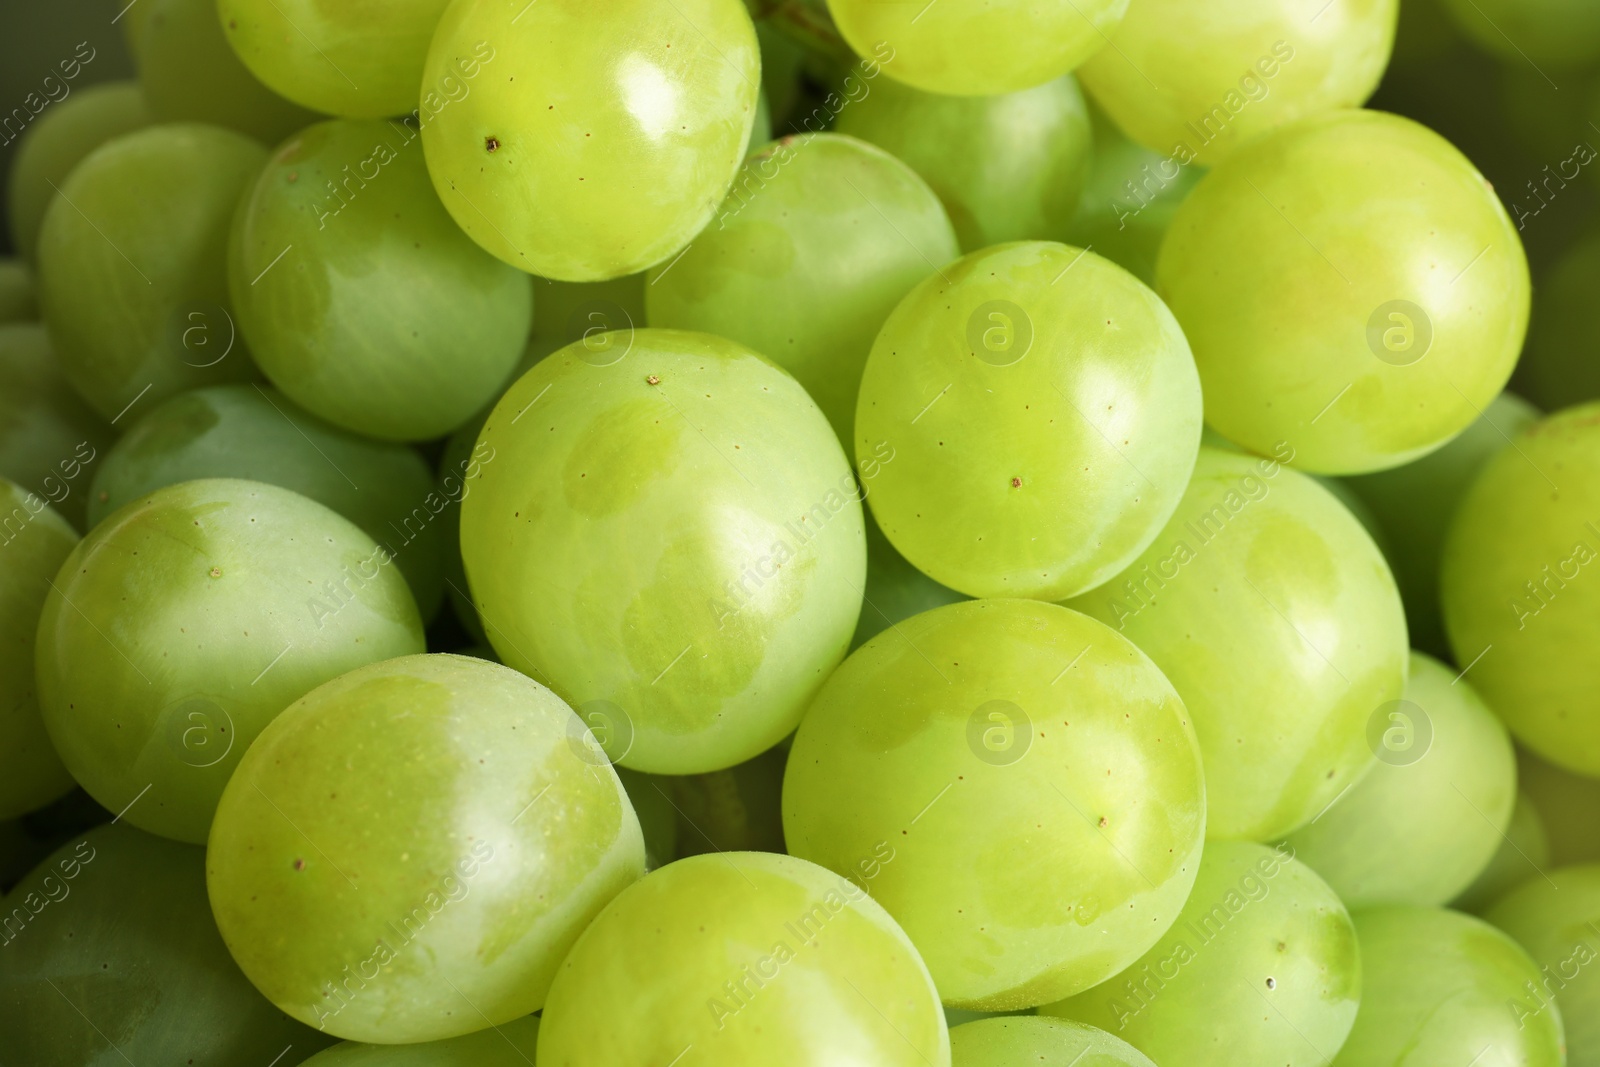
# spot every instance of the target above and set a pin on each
(1008, 168)
(1439, 987)
(190, 618)
(509, 1045)
(1194, 81)
(1559, 366)
(1568, 806)
(1028, 784)
(1520, 588)
(132, 266)
(977, 47)
(670, 537)
(254, 432)
(1558, 32)
(1555, 916)
(1262, 967)
(1351, 285)
(360, 58)
(820, 238)
(658, 818)
(1524, 851)
(1094, 386)
(112, 958)
(747, 958)
(735, 810)
(58, 142)
(19, 297)
(895, 589)
(360, 298)
(1423, 822)
(1276, 618)
(586, 142)
(1042, 1041)
(436, 831)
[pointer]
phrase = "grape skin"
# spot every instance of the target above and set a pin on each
(1551, 915)
(1041, 1040)
(1524, 851)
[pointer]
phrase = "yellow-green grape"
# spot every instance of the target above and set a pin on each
(584, 311)
(745, 958)
(132, 266)
(670, 536)
(436, 831)
(509, 1045)
(1091, 380)
(1009, 167)
(1420, 825)
(1562, 33)
(360, 298)
(191, 74)
(1261, 967)
(820, 238)
(19, 297)
(586, 142)
(1350, 284)
(895, 589)
(1276, 618)
(1439, 987)
(1034, 778)
(1524, 851)
(1555, 916)
(112, 957)
(1194, 81)
(735, 810)
(34, 542)
(658, 817)
(1558, 366)
(1520, 598)
(185, 622)
(1033, 1040)
(58, 142)
(362, 60)
(50, 441)
(1568, 806)
(977, 47)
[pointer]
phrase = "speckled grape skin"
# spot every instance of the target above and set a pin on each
(1553, 916)
(1101, 417)
(834, 980)
(1279, 261)
(511, 1044)
(438, 784)
(1041, 1041)
(1047, 869)
(189, 619)
(1279, 625)
(1262, 967)
(591, 141)
(676, 533)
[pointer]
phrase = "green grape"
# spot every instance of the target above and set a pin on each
(34, 542)
(190, 618)
(132, 258)
(895, 589)
(977, 47)
(735, 810)
(1440, 987)
(1350, 284)
(1518, 606)
(1563, 33)
(738, 957)
(1060, 855)
(19, 298)
(655, 541)
(191, 74)
(1008, 168)
(57, 143)
(1414, 505)
(1262, 967)
(658, 817)
(1559, 367)
(1194, 81)
(1275, 617)
(254, 432)
(819, 240)
(1568, 806)
(1524, 851)
(510, 1045)
(1421, 825)
(1093, 383)
(435, 831)
(600, 139)
(383, 317)
(362, 59)
(112, 958)
(584, 311)
(1555, 916)
(1043, 1041)
(49, 437)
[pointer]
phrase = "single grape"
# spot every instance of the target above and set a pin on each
(1524, 851)
(509, 1045)
(1555, 916)
(658, 817)
(819, 240)
(132, 259)
(1568, 806)
(1044, 1041)
(735, 810)
(435, 832)
(190, 618)
(1557, 366)
(1061, 853)
(1094, 386)
(1351, 285)
(1008, 168)
(1261, 967)
(1519, 606)
(1561, 33)
(19, 297)
(739, 956)
(656, 540)
(895, 589)
(583, 142)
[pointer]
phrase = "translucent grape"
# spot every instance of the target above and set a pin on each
(510, 1045)
(1558, 32)
(1044, 1041)
(1524, 851)
(895, 589)
(1553, 916)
